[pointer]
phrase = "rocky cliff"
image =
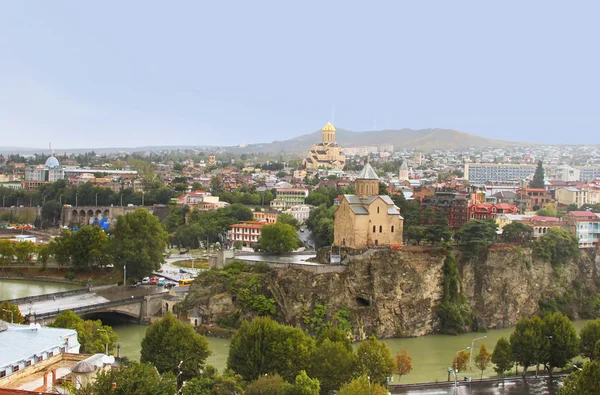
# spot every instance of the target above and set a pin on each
(394, 293)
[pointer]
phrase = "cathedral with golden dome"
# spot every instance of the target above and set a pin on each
(327, 154)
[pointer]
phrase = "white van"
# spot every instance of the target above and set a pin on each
(145, 280)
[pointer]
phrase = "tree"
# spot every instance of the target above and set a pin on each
(461, 361)
(286, 218)
(362, 385)
(589, 335)
(278, 238)
(265, 346)
(138, 243)
(415, 234)
(269, 384)
(7, 251)
(209, 383)
(453, 310)
(320, 223)
(317, 198)
(375, 360)
(478, 233)
(527, 342)
(538, 180)
(557, 246)
(403, 364)
(89, 248)
(549, 210)
(43, 254)
(502, 356)
(562, 343)
(24, 251)
(304, 385)
(168, 342)
(135, 378)
(91, 334)
(517, 232)
(333, 364)
(584, 382)
(6, 316)
(482, 359)
(436, 234)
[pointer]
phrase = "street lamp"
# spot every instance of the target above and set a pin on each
(455, 363)
(96, 199)
(76, 197)
(471, 356)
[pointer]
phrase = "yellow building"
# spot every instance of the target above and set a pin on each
(367, 219)
(327, 154)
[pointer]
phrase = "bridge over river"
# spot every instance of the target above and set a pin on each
(138, 304)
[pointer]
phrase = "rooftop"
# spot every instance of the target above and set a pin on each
(367, 173)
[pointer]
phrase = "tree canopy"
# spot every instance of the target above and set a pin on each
(538, 180)
(278, 238)
(557, 246)
(91, 334)
(589, 335)
(173, 346)
(375, 360)
(502, 356)
(16, 317)
(138, 242)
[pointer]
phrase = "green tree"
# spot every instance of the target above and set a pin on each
(415, 234)
(317, 198)
(562, 343)
(502, 356)
(264, 346)
(60, 248)
(138, 242)
(304, 385)
(375, 360)
(163, 195)
(333, 364)
(453, 310)
(168, 342)
(135, 378)
(210, 383)
(278, 238)
(6, 316)
(24, 251)
(7, 251)
(517, 232)
(269, 384)
(91, 334)
(549, 210)
(43, 254)
(437, 233)
(478, 234)
(362, 385)
(557, 246)
(589, 335)
(320, 223)
(89, 248)
(538, 177)
(584, 382)
(527, 342)
(289, 219)
(482, 359)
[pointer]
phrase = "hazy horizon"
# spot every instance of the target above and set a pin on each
(144, 73)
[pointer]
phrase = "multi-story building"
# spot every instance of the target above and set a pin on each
(367, 219)
(484, 211)
(268, 216)
(288, 197)
(585, 225)
(327, 154)
(513, 173)
(248, 232)
(300, 212)
(453, 205)
(571, 195)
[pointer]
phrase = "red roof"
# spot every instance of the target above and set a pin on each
(505, 206)
(542, 218)
(586, 214)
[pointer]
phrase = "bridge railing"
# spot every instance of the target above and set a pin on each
(37, 298)
(84, 309)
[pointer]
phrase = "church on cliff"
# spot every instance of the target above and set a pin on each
(367, 219)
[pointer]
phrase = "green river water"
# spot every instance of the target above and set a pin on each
(431, 355)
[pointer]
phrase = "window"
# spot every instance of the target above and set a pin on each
(392, 228)
(377, 210)
(28, 363)
(50, 354)
(15, 368)
(380, 228)
(374, 229)
(2, 373)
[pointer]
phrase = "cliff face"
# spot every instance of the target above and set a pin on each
(395, 293)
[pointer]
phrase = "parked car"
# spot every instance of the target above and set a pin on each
(146, 280)
(170, 284)
(182, 271)
(136, 284)
(154, 281)
(161, 281)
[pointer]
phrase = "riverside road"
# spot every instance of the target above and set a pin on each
(509, 386)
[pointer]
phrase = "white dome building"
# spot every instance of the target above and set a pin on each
(52, 162)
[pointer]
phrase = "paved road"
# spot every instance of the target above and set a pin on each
(65, 303)
(307, 238)
(297, 259)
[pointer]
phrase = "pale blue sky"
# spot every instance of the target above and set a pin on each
(131, 73)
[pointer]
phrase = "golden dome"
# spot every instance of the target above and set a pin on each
(328, 128)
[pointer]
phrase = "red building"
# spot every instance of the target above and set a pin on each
(453, 205)
(490, 211)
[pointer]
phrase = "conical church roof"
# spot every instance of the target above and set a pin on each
(367, 173)
(328, 128)
(404, 166)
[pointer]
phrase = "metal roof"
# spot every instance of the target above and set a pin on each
(367, 173)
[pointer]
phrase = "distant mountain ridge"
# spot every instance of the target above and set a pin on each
(425, 139)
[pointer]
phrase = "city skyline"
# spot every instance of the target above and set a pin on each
(211, 74)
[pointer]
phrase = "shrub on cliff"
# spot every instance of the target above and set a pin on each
(453, 311)
(557, 246)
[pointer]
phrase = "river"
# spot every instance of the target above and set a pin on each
(431, 355)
